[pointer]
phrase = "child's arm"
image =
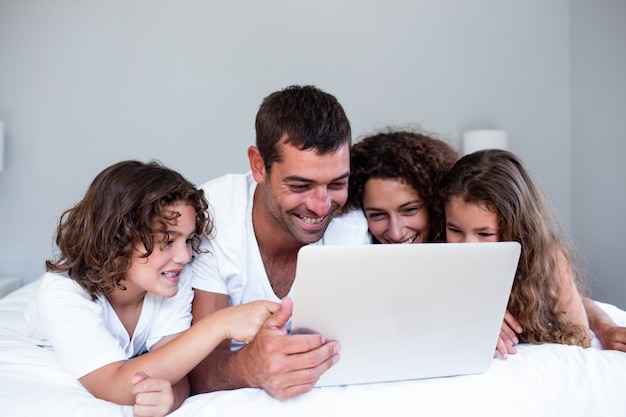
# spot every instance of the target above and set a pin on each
(172, 361)
(570, 301)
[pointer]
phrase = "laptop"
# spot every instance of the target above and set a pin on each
(404, 312)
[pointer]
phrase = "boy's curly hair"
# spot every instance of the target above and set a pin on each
(128, 203)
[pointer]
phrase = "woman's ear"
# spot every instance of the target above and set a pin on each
(256, 164)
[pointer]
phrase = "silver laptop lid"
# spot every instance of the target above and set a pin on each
(405, 311)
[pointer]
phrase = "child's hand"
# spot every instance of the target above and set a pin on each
(503, 349)
(153, 396)
(244, 321)
(508, 336)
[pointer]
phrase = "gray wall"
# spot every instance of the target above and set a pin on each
(85, 84)
(598, 78)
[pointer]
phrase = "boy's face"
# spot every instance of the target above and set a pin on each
(304, 191)
(160, 272)
(470, 222)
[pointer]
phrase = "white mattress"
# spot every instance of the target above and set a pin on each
(545, 380)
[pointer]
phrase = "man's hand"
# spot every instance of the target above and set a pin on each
(287, 365)
(612, 336)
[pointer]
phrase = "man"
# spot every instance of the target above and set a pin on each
(297, 185)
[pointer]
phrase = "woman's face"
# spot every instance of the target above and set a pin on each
(470, 222)
(395, 212)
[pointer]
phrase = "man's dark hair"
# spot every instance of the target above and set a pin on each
(305, 117)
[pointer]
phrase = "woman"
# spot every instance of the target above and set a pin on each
(394, 177)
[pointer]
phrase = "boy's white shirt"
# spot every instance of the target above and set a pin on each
(87, 334)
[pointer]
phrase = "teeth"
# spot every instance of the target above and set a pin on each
(311, 220)
(411, 240)
(170, 274)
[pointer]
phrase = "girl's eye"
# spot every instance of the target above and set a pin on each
(189, 241)
(374, 216)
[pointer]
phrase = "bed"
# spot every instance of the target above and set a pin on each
(545, 380)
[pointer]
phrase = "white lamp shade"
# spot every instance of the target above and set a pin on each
(475, 140)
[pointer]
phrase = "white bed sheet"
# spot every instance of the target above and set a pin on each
(545, 380)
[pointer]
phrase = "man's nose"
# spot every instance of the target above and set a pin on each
(319, 203)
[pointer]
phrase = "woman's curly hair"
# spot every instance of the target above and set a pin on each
(417, 159)
(126, 204)
(500, 180)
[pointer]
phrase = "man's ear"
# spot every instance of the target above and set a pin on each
(256, 164)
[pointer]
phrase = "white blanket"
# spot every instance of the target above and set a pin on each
(544, 380)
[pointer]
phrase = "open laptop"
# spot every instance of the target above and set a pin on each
(405, 311)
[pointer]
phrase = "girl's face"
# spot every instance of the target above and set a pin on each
(395, 212)
(160, 272)
(470, 222)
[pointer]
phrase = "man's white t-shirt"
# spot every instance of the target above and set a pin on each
(233, 263)
(88, 334)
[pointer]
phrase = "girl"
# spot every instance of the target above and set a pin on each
(115, 304)
(490, 196)
(393, 181)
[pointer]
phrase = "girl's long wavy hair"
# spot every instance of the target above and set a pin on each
(126, 204)
(500, 180)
